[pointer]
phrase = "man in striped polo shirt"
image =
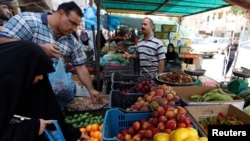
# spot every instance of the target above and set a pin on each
(149, 51)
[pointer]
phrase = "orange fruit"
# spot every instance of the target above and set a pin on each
(100, 127)
(83, 130)
(91, 133)
(88, 128)
(93, 139)
(97, 134)
(94, 127)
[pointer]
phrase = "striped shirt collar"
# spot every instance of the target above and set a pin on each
(151, 38)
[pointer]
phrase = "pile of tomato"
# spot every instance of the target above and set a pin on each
(220, 119)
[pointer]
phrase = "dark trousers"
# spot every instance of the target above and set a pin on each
(227, 64)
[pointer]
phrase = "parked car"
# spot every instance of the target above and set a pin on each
(201, 45)
(220, 43)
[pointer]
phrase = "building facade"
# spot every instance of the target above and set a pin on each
(216, 23)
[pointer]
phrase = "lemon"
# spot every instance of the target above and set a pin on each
(203, 139)
(161, 137)
(179, 134)
(193, 132)
(190, 138)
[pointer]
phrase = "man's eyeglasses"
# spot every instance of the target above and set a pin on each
(72, 22)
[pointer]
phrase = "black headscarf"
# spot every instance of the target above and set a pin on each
(171, 55)
(20, 62)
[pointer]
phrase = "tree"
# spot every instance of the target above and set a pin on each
(237, 10)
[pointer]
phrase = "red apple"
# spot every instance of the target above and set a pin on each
(168, 131)
(146, 125)
(155, 122)
(164, 102)
(136, 137)
(141, 132)
(166, 107)
(181, 125)
(161, 126)
(171, 108)
(124, 132)
(155, 114)
(136, 125)
(155, 131)
(152, 93)
(160, 108)
(181, 118)
(131, 131)
(171, 102)
(170, 96)
(163, 119)
(120, 137)
(170, 114)
(171, 124)
(187, 120)
(189, 125)
(148, 134)
(181, 110)
(137, 105)
(176, 98)
(161, 113)
(159, 92)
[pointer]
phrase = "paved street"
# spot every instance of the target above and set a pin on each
(214, 67)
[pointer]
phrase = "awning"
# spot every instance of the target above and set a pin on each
(180, 8)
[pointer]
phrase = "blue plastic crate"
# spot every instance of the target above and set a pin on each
(116, 120)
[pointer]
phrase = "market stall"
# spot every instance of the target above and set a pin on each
(169, 107)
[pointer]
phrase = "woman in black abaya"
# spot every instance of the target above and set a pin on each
(21, 62)
(172, 62)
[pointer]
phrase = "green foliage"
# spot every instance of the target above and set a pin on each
(236, 10)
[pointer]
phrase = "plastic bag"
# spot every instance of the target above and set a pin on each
(62, 84)
(90, 18)
(113, 22)
(55, 134)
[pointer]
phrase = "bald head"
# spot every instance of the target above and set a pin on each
(147, 27)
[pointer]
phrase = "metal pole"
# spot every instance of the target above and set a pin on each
(98, 39)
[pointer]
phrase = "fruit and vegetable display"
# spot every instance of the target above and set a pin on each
(94, 131)
(113, 48)
(160, 95)
(87, 103)
(176, 77)
(186, 135)
(139, 87)
(83, 119)
(164, 119)
(113, 58)
(216, 94)
(220, 119)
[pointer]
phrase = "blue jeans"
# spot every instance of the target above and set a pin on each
(227, 64)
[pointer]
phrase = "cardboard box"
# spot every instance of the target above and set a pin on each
(186, 92)
(200, 112)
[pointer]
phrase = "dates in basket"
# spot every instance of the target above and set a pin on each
(176, 77)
